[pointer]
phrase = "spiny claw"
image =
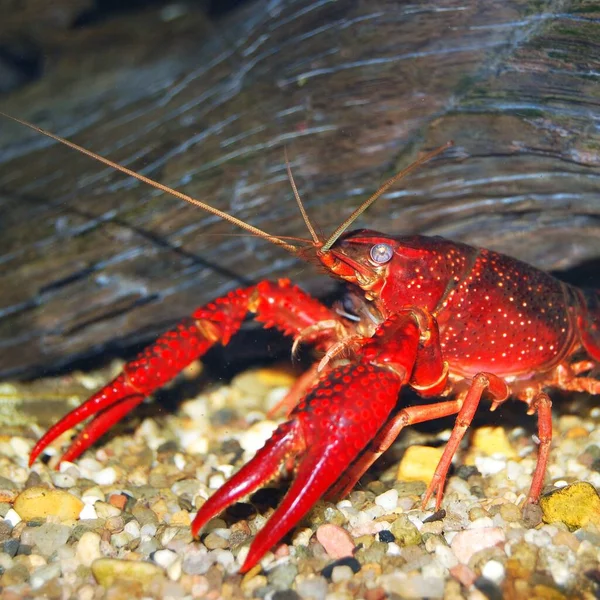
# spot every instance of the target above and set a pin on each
(327, 430)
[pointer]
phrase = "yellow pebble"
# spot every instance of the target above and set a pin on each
(108, 570)
(40, 502)
(275, 377)
(575, 505)
(489, 441)
(419, 463)
(577, 432)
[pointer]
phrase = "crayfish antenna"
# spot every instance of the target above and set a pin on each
(159, 186)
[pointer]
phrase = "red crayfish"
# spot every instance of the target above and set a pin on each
(441, 317)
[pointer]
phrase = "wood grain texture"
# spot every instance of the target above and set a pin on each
(353, 89)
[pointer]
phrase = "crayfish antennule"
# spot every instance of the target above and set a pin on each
(303, 212)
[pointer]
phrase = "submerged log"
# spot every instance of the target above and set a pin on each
(90, 258)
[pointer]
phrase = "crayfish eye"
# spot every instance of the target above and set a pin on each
(381, 253)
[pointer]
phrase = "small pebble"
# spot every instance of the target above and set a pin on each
(348, 561)
(164, 558)
(338, 543)
(386, 536)
(88, 512)
(49, 537)
(492, 440)
(388, 500)
(419, 463)
(12, 518)
(468, 542)
(104, 510)
(88, 548)
(494, 571)
(213, 540)
(38, 503)
(312, 586)
(341, 573)
(575, 505)
(106, 476)
(109, 570)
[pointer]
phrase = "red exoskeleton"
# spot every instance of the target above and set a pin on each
(444, 318)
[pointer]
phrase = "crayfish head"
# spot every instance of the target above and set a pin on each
(360, 257)
(397, 271)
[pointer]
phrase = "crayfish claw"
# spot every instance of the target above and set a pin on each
(326, 431)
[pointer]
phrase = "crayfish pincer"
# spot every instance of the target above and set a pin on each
(445, 319)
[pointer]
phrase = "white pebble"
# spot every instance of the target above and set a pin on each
(107, 476)
(216, 481)
(539, 538)
(393, 549)
(374, 512)
(312, 586)
(490, 465)
(223, 557)
(87, 466)
(12, 517)
(63, 480)
(21, 446)
(254, 438)
(243, 554)
(494, 571)
(148, 530)
(164, 558)
(196, 445)
(133, 529)
(120, 540)
(388, 500)
(44, 574)
(445, 556)
(174, 570)
(88, 548)
(179, 461)
(92, 495)
(65, 466)
(341, 573)
(482, 522)
(227, 470)
(514, 470)
(88, 512)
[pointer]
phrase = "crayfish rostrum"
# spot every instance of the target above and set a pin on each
(444, 318)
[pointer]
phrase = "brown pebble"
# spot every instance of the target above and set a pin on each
(8, 495)
(338, 543)
(532, 515)
(118, 500)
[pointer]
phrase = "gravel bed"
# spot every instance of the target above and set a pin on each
(116, 523)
